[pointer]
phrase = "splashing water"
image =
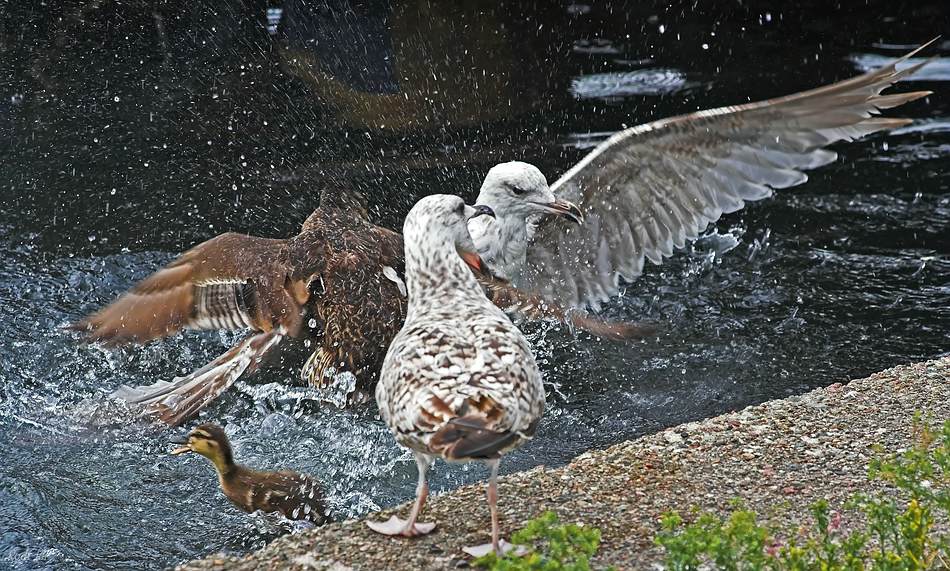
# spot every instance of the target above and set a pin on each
(840, 277)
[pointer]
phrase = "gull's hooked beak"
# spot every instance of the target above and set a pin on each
(482, 210)
(563, 208)
(473, 260)
(183, 448)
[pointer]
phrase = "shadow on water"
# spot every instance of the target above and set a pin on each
(133, 131)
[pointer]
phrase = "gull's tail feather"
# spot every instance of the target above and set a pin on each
(174, 402)
(471, 438)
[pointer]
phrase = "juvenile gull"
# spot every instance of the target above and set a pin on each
(648, 189)
(459, 381)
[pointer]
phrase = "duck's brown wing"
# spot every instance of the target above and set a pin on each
(232, 281)
(176, 401)
(294, 496)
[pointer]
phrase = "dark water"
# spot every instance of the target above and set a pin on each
(131, 132)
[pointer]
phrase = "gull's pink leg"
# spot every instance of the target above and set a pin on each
(497, 545)
(493, 508)
(409, 528)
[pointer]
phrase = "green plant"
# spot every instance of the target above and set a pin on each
(899, 533)
(544, 544)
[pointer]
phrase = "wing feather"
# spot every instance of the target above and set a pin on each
(648, 190)
(232, 281)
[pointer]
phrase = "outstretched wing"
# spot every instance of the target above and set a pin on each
(534, 307)
(232, 281)
(176, 401)
(649, 189)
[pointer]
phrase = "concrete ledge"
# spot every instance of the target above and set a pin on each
(777, 457)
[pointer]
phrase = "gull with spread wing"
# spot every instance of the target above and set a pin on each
(647, 190)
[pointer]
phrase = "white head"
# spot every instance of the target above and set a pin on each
(438, 225)
(517, 189)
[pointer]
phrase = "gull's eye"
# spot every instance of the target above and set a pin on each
(516, 190)
(461, 209)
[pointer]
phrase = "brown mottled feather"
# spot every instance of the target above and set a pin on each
(358, 309)
(294, 496)
(245, 277)
(470, 438)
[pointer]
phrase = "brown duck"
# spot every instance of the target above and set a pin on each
(336, 283)
(292, 495)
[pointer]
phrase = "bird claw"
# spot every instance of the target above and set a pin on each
(397, 526)
(486, 548)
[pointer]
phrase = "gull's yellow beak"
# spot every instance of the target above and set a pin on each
(566, 209)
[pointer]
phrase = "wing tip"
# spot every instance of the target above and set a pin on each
(919, 48)
(81, 326)
(614, 330)
(888, 123)
(893, 100)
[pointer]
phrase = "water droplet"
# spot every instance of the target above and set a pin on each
(312, 323)
(662, 29)
(705, 46)
(116, 98)
(112, 192)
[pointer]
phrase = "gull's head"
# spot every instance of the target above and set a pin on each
(440, 222)
(520, 190)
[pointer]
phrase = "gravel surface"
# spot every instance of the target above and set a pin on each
(778, 457)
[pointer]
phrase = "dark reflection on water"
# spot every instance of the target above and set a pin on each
(131, 132)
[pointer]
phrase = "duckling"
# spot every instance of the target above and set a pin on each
(292, 495)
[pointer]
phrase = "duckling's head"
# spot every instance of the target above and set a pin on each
(210, 441)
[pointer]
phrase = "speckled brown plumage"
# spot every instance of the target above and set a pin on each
(459, 381)
(357, 308)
